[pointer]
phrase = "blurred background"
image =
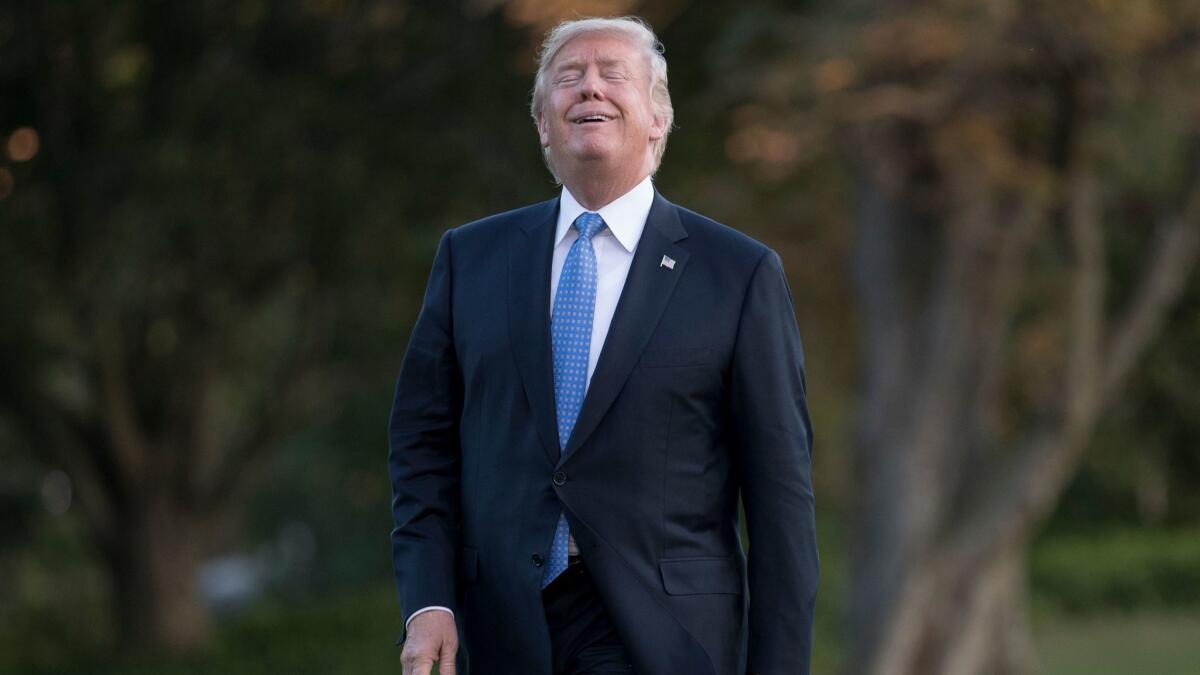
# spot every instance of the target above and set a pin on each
(218, 217)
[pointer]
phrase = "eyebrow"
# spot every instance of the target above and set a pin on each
(577, 63)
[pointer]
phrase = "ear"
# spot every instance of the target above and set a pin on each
(543, 130)
(658, 128)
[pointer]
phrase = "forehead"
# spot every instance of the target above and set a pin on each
(602, 48)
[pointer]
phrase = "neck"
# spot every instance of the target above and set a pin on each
(594, 188)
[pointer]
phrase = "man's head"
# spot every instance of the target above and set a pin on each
(600, 98)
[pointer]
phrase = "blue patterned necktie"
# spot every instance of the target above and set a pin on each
(571, 342)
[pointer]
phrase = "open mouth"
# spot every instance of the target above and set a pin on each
(592, 119)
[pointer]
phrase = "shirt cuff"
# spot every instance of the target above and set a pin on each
(427, 609)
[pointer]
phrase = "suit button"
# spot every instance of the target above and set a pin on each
(537, 559)
(559, 478)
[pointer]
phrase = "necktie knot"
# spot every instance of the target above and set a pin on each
(589, 224)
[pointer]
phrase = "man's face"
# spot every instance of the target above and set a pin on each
(597, 106)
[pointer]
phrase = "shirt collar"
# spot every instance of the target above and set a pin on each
(625, 216)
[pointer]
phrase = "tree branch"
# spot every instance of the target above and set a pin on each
(204, 428)
(1086, 312)
(879, 275)
(280, 406)
(128, 443)
(996, 319)
(1173, 256)
(1030, 483)
(75, 447)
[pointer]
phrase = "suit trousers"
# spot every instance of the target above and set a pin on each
(582, 638)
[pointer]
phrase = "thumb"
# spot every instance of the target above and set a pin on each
(446, 658)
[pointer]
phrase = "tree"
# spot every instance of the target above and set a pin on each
(209, 238)
(997, 148)
(173, 328)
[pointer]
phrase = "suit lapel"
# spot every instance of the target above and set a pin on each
(647, 290)
(529, 256)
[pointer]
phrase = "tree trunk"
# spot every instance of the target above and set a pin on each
(962, 620)
(918, 606)
(944, 506)
(942, 615)
(154, 568)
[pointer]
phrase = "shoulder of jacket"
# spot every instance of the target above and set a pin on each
(502, 222)
(734, 244)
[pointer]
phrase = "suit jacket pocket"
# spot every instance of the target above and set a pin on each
(468, 564)
(696, 576)
(677, 358)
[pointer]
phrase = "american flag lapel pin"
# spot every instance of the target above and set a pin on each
(667, 262)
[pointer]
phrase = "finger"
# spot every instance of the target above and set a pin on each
(446, 659)
(417, 665)
(422, 667)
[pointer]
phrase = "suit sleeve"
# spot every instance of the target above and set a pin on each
(773, 437)
(423, 457)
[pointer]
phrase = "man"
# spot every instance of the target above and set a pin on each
(591, 384)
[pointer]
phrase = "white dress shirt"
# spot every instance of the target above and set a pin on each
(624, 219)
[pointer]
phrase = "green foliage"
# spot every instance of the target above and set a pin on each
(1127, 570)
(351, 632)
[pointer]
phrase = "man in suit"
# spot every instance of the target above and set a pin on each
(590, 386)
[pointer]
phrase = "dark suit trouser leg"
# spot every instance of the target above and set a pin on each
(582, 637)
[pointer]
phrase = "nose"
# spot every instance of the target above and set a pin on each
(591, 84)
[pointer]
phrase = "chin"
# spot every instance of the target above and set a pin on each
(591, 154)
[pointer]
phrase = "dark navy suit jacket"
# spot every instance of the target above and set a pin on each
(698, 398)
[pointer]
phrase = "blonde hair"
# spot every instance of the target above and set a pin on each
(638, 34)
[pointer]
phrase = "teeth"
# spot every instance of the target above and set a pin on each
(593, 118)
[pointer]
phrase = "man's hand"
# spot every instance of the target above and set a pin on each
(432, 636)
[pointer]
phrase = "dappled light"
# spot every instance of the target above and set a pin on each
(22, 144)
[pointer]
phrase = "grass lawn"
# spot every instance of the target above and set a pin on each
(1120, 644)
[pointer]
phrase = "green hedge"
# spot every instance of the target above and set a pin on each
(1124, 569)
